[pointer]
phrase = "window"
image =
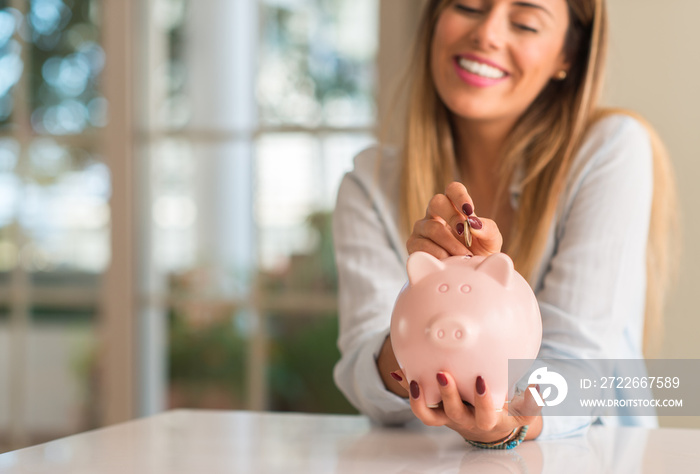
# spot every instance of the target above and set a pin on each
(54, 216)
(256, 111)
(244, 117)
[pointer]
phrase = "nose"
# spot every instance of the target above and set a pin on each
(447, 332)
(489, 33)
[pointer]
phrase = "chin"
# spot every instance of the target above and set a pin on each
(472, 111)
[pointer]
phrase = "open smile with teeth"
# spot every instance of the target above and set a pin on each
(480, 69)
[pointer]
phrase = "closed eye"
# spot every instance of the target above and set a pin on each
(525, 28)
(468, 10)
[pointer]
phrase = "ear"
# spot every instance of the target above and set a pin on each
(498, 266)
(563, 64)
(420, 265)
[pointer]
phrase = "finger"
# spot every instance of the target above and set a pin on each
(460, 198)
(439, 234)
(442, 209)
(485, 415)
(421, 244)
(454, 206)
(524, 407)
(452, 403)
(530, 407)
(459, 226)
(440, 206)
(487, 238)
(429, 416)
(400, 378)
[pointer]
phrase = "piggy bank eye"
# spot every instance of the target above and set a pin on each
(443, 288)
(465, 289)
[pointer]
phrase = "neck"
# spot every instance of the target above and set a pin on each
(478, 149)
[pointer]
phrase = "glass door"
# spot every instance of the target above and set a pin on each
(255, 111)
(54, 217)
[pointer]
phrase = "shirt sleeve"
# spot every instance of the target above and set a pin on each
(592, 292)
(371, 273)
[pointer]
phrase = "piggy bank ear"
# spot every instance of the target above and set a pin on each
(498, 266)
(420, 265)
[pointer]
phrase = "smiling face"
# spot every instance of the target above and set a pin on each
(491, 58)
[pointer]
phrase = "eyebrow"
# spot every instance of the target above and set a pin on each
(533, 5)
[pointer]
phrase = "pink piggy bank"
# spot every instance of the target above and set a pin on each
(466, 316)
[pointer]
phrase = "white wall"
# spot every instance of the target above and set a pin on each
(654, 66)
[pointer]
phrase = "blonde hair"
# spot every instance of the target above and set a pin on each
(545, 140)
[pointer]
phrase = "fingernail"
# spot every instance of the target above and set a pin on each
(537, 387)
(480, 385)
(415, 391)
(442, 380)
(396, 377)
(475, 222)
(467, 209)
(460, 228)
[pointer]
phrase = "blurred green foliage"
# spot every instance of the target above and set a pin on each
(312, 272)
(203, 357)
(302, 346)
(301, 368)
(301, 343)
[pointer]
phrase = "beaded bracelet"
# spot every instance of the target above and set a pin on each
(510, 441)
(498, 442)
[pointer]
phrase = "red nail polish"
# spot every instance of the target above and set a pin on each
(396, 377)
(475, 222)
(537, 387)
(467, 209)
(442, 380)
(460, 228)
(415, 390)
(480, 385)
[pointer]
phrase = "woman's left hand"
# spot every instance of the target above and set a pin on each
(480, 422)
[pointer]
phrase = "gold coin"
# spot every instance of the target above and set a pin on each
(467, 233)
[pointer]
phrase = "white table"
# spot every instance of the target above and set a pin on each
(197, 441)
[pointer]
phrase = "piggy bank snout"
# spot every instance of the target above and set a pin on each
(447, 331)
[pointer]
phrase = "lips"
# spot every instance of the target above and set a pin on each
(480, 66)
(478, 72)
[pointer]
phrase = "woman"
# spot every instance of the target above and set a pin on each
(504, 129)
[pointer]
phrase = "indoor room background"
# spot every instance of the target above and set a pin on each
(168, 170)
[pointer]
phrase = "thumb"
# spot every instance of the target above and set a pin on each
(486, 237)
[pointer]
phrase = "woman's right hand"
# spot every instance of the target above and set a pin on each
(441, 232)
